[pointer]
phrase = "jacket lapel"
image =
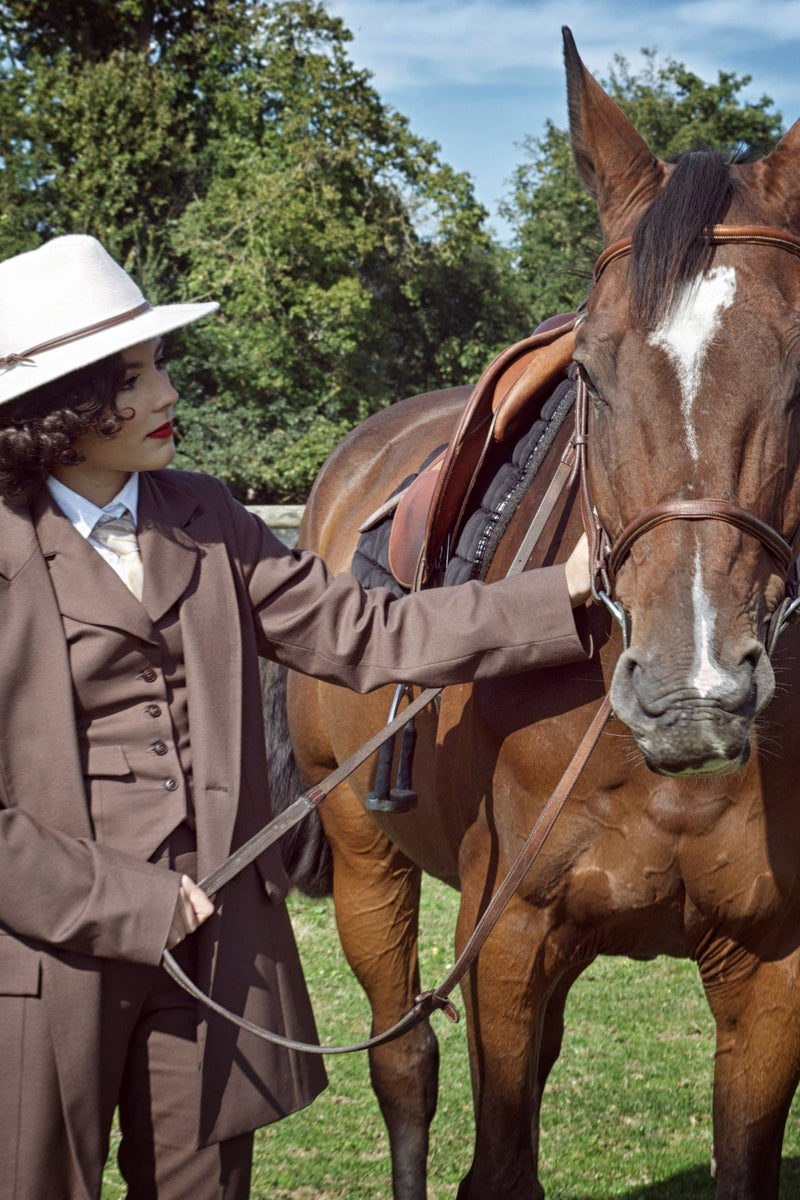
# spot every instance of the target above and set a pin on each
(91, 591)
(88, 589)
(18, 542)
(170, 555)
(34, 649)
(180, 537)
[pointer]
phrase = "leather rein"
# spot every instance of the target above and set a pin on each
(436, 998)
(607, 557)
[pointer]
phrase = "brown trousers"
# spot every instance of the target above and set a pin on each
(149, 1072)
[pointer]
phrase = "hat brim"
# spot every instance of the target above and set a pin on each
(54, 364)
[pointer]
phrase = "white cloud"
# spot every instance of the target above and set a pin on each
(412, 43)
(744, 16)
(478, 75)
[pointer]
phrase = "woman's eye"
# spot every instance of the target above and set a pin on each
(129, 383)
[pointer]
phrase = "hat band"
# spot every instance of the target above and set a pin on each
(13, 360)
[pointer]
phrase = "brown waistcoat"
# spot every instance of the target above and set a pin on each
(131, 714)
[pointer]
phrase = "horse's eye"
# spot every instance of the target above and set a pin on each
(591, 386)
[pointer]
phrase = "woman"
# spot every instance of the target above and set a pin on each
(131, 748)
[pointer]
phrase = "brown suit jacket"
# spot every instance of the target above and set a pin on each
(65, 900)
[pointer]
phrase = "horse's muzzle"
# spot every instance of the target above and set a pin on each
(688, 722)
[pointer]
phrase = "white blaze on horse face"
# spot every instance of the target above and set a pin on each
(688, 332)
(705, 675)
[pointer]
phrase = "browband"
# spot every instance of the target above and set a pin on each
(760, 235)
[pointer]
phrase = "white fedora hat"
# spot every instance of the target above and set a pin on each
(68, 304)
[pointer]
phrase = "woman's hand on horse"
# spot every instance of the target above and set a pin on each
(192, 909)
(579, 584)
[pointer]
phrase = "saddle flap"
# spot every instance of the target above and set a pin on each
(532, 383)
(511, 389)
(406, 540)
(519, 377)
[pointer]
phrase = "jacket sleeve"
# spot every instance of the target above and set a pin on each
(330, 627)
(72, 894)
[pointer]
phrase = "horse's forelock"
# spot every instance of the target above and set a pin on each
(670, 245)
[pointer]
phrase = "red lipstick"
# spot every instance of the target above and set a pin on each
(163, 432)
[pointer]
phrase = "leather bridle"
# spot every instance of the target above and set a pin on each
(606, 556)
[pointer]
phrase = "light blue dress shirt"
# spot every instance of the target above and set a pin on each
(84, 515)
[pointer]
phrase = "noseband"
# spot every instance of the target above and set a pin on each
(606, 556)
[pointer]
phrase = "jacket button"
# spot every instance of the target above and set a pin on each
(171, 784)
(153, 710)
(159, 748)
(149, 675)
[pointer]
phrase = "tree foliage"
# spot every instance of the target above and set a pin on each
(556, 230)
(232, 150)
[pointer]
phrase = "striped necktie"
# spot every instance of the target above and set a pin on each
(119, 535)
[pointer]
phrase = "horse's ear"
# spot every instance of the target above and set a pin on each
(779, 176)
(613, 160)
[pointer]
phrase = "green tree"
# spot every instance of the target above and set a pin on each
(232, 149)
(556, 231)
(104, 128)
(353, 266)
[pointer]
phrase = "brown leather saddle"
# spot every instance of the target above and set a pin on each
(429, 512)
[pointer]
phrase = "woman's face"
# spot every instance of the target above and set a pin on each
(143, 443)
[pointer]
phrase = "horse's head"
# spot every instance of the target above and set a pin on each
(690, 351)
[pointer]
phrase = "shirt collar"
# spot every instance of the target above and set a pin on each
(83, 514)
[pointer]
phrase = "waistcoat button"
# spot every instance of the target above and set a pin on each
(159, 748)
(171, 784)
(149, 675)
(153, 710)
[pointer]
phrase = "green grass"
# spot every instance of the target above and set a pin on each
(627, 1112)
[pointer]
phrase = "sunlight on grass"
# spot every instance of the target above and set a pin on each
(627, 1112)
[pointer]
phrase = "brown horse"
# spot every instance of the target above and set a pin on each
(682, 836)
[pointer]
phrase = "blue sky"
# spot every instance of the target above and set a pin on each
(476, 76)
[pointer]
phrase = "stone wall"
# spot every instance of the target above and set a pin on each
(283, 519)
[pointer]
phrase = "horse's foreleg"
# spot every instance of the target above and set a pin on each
(506, 998)
(376, 894)
(550, 1046)
(756, 1006)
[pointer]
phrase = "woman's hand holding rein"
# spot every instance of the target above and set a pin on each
(192, 909)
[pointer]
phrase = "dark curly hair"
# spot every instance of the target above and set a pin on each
(39, 429)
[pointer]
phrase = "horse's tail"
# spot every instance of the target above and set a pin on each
(305, 850)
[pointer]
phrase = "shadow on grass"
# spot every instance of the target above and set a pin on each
(695, 1184)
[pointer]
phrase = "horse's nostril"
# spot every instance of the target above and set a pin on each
(752, 658)
(629, 665)
(636, 687)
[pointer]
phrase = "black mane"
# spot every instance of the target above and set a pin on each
(670, 245)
